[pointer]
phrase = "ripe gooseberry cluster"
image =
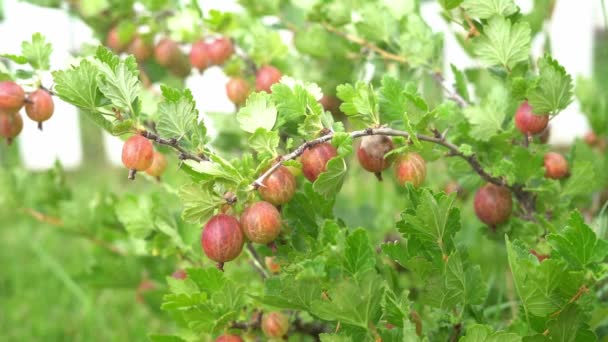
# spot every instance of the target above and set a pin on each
(223, 235)
(203, 54)
(138, 155)
(39, 107)
(493, 203)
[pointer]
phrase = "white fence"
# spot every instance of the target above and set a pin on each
(571, 29)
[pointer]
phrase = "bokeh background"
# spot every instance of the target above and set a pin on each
(46, 292)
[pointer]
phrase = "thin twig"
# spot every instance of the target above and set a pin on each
(257, 261)
(453, 150)
(437, 76)
(58, 223)
(360, 41)
(172, 142)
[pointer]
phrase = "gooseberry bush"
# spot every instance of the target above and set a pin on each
(354, 194)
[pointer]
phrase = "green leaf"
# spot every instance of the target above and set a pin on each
(463, 284)
(267, 45)
(178, 117)
(259, 112)
(377, 26)
(450, 4)
(542, 288)
(393, 103)
(359, 104)
(15, 58)
(343, 142)
(578, 244)
(165, 338)
(484, 9)
(433, 221)
(265, 143)
(78, 86)
(37, 52)
(487, 118)
(581, 181)
(335, 338)
(553, 92)
(484, 333)
(136, 214)
(396, 310)
(502, 43)
(288, 293)
(356, 303)
(570, 325)
(218, 21)
(200, 202)
(330, 182)
(418, 42)
(358, 255)
(119, 80)
(460, 84)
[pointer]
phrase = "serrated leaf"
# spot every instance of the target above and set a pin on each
(484, 9)
(487, 118)
(37, 52)
(356, 303)
(259, 112)
(359, 104)
(450, 4)
(330, 182)
(200, 202)
(553, 92)
(503, 43)
(581, 181)
(15, 58)
(119, 80)
(136, 214)
(483, 333)
(393, 104)
(460, 83)
(358, 254)
(264, 142)
(78, 86)
(433, 221)
(578, 244)
(178, 117)
(343, 142)
(543, 288)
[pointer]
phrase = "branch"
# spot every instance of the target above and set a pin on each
(257, 261)
(58, 223)
(437, 76)
(310, 328)
(172, 142)
(439, 140)
(360, 41)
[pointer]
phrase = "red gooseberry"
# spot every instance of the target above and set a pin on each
(529, 123)
(314, 160)
(12, 97)
(266, 77)
(222, 239)
(237, 90)
(261, 222)
(556, 166)
(279, 187)
(40, 106)
(410, 168)
(493, 204)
